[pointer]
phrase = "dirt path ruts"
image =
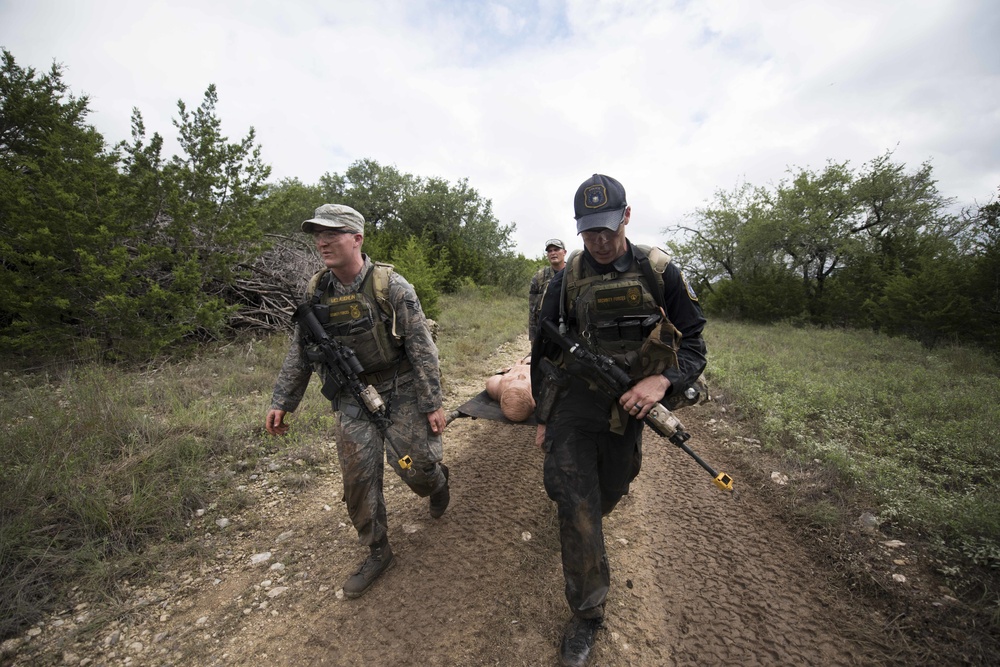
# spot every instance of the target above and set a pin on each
(698, 577)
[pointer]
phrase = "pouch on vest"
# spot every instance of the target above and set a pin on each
(659, 350)
(342, 324)
(628, 328)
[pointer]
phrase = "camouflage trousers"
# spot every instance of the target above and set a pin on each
(586, 473)
(362, 452)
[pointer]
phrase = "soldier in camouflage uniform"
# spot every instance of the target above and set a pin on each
(555, 252)
(630, 303)
(388, 332)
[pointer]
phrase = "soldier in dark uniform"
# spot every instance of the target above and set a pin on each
(605, 297)
(555, 252)
(376, 313)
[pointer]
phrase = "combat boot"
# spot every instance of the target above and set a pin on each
(440, 499)
(577, 641)
(380, 560)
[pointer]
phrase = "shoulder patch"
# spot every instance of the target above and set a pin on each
(688, 288)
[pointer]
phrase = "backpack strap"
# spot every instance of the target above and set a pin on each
(571, 272)
(381, 274)
(653, 262)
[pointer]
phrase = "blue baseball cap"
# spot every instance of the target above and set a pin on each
(599, 204)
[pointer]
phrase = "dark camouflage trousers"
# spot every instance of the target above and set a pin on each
(586, 473)
(362, 452)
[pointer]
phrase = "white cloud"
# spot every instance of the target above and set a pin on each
(527, 99)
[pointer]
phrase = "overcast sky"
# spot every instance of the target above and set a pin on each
(526, 99)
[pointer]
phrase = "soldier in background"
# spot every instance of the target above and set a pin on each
(375, 312)
(555, 252)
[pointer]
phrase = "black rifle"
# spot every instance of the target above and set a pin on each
(342, 367)
(612, 379)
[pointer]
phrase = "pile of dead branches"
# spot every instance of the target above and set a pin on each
(273, 285)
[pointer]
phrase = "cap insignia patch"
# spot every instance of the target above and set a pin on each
(595, 196)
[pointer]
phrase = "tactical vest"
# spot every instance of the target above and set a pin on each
(621, 315)
(364, 321)
(543, 276)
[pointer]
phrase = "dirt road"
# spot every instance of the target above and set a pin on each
(698, 577)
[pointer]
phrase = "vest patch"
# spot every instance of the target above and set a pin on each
(341, 299)
(344, 308)
(614, 298)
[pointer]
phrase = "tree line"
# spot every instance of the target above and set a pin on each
(877, 247)
(116, 252)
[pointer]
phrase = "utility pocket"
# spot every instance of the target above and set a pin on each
(322, 312)
(554, 382)
(659, 350)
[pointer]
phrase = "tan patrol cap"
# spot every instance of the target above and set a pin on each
(335, 216)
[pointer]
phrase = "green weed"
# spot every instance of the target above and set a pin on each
(100, 468)
(913, 430)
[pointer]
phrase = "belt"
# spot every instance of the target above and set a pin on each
(378, 377)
